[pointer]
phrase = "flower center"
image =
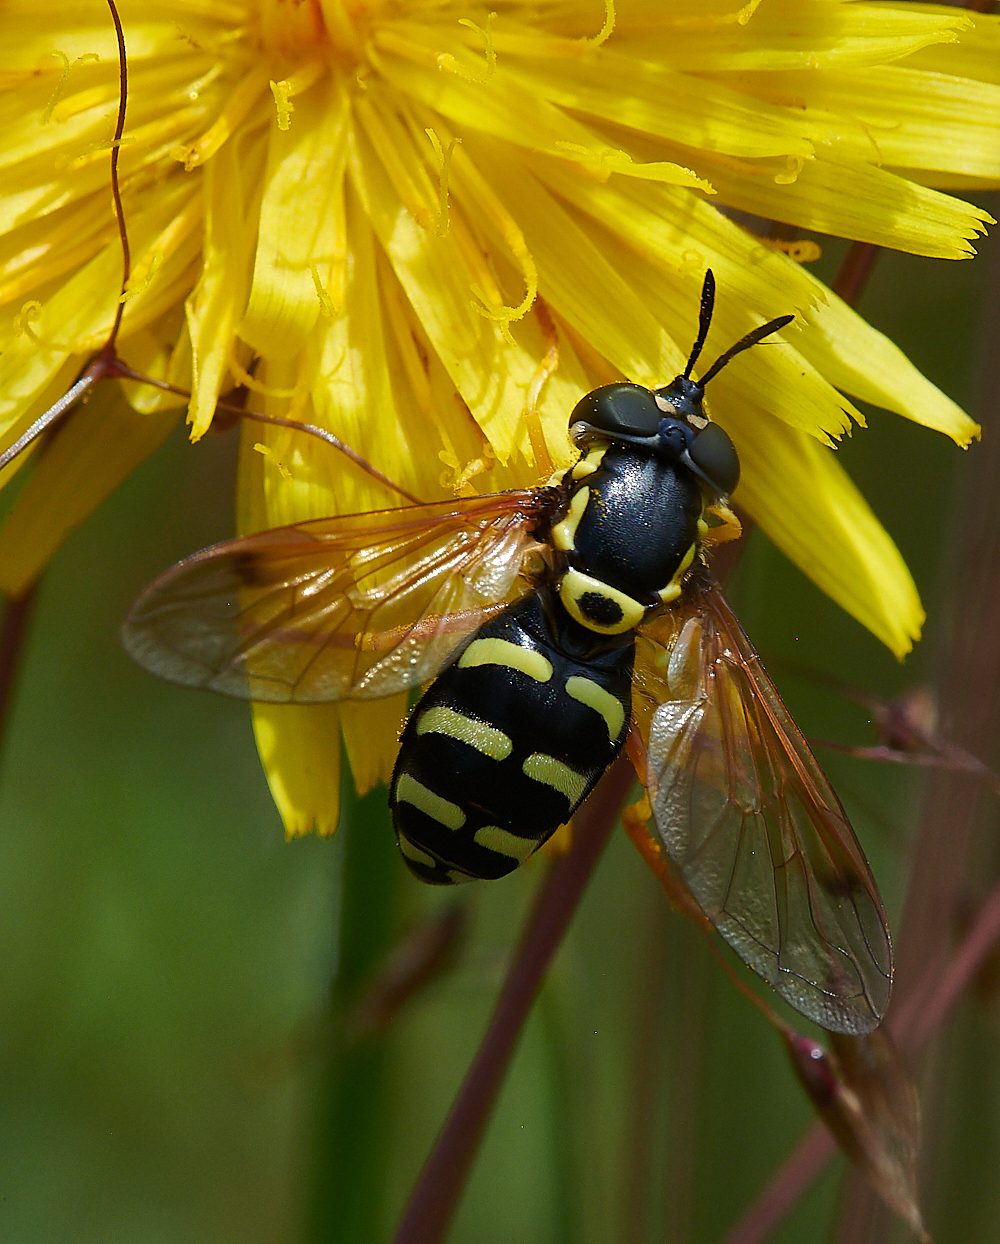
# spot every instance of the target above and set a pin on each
(304, 29)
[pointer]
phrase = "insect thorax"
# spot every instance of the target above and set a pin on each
(629, 534)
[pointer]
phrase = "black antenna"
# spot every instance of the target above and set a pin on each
(704, 320)
(744, 343)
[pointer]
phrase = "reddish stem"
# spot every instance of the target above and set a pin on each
(439, 1188)
(853, 274)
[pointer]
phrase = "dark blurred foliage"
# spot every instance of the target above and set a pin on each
(177, 1061)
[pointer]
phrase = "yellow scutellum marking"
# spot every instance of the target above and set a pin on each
(326, 307)
(575, 585)
(266, 452)
(593, 695)
(409, 790)
(443, 157)
(139, 281)
(484, 738)
(552, 772)
(243, 377)
(447, 62)
(604, 33)
(513, 656)
(284, 106)
(56, 95)
(504, 843)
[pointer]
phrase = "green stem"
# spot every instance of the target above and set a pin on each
(350, 1177)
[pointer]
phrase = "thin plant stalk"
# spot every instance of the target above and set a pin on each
(439, 1187)
(928, 981)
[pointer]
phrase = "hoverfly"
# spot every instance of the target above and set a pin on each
(553, 620)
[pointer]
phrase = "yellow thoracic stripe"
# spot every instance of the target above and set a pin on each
(409, 790)
(486, 739)
(503, 652)
(564, 533)
(496, 839)
(554, 773)
(588, 692)
(670, 593)
(590, 464)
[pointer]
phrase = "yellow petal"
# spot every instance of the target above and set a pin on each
(300, 247)
(865, 363)
(654, 100)
(854, 201)
(894, 117)
(217, 304)
(299, 747)
(800, 34)
(798, 492)
(491, 365)
(371, 736)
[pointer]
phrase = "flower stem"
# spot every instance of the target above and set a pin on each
(852, 275)
(439, 1187)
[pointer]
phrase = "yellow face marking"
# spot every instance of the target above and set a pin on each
(491, 742)
(564, 533)
(588, 692)
(409, 790)
(503, 652)
(673, 588)
(499, 840)
(576, 585)
(414, 853)
(542, 768)
(588, 465)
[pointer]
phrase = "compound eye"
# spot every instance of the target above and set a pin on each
(624, 407)
(715, 455)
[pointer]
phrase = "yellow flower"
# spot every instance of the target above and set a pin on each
(430, 228)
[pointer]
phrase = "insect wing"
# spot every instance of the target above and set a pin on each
(750, 822)
(358, 606)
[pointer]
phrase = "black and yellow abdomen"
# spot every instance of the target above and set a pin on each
(508, 741)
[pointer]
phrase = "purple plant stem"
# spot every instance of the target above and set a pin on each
(912, 1025)
(853, 273)
(928, 982)
(438, 1189)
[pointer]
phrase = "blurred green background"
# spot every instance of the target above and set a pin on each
(169, 1071)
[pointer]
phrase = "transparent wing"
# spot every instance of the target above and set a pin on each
(751, 824)
(354, 607)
